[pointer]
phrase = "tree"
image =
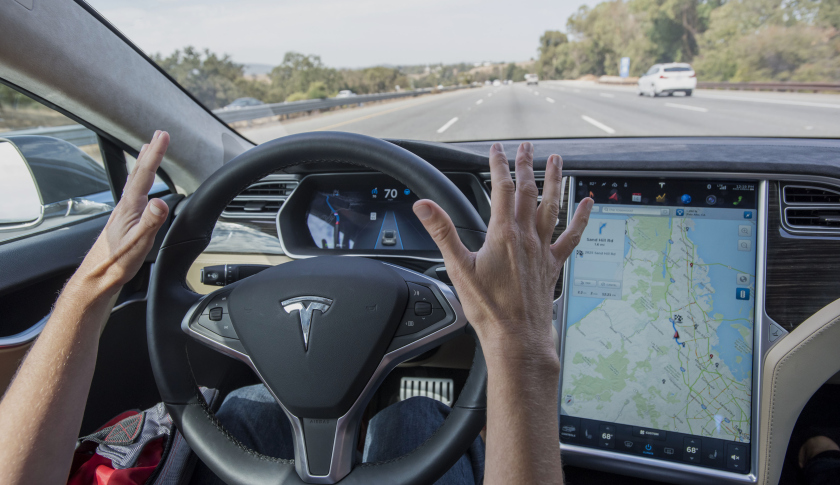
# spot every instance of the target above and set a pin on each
(296, 74)
(214, 80)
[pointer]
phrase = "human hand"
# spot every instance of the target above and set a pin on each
(507, 287)
(128, 236)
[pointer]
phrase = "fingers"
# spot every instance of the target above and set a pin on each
(443, 232)
(134, 168)
(503, 188)
(570, 238)
(552, 192)
(142, 235)
(154, 215)
(143, 176)
(526, 186)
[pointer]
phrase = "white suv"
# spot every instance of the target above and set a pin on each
(668, 79)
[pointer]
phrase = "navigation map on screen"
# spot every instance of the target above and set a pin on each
(659, 324)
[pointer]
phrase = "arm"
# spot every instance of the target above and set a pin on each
(42, 410)
(507, 289)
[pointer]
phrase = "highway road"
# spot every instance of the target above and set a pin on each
(561, 109)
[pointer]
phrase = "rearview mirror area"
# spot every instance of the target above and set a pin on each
(21, 204)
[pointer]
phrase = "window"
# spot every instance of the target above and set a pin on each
(60, 156)
(677, 69)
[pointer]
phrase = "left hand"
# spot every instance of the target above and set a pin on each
(130, 232)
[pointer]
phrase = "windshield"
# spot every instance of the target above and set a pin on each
(459, 70)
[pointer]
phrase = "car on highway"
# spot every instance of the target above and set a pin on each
(692, 332)
(497, 82)
(240, 103)
(667, 79)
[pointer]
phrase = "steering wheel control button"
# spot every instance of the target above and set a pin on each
(607, 436)
(218, 301)
(692, 450)
(648, 434)
(412, 322)
(216, 314)
(737, 456)
(420, 293)
(422, 308)
(223, 327)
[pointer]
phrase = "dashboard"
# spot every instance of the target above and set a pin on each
(690, 271)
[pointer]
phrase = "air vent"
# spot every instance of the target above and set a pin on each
(261, 200)
(811, 209)
(800, 194)
(252, 207)
(813, 217)
(262, 189)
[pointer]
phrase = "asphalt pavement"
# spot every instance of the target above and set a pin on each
(570, 109)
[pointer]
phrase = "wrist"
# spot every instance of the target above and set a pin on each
(519, 357)
(85, 288)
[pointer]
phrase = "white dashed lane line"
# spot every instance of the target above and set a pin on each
(537, 93)
(479, 101)
(686, 106)
(549, 100)
(447, 125)
(607, 95)
(589, 120)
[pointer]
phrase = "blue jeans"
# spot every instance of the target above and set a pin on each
(252, 416)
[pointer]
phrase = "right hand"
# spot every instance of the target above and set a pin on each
(507, 287)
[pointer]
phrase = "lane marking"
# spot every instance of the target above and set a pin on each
(549, 100)
(607, 95)
(576, 90)
(479, 101)
(489, 94)
(537, 93)
(597, 124)
(447, 125)
(688, 107)
(374, 115)
(772, 101)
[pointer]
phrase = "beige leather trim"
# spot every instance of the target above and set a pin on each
(212, 259)
(793, 370)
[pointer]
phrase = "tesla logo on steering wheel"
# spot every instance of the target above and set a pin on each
(306, 306)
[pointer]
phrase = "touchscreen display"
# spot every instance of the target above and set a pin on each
(659, 322)
(366, 216)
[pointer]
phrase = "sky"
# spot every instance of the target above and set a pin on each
(345, 33)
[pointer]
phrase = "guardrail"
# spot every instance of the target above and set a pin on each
(268, 110)
(81, 136)
(770, 86)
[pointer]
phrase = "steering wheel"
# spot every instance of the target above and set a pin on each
(321, 333)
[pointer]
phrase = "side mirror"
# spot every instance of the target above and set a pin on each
(21, 204)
